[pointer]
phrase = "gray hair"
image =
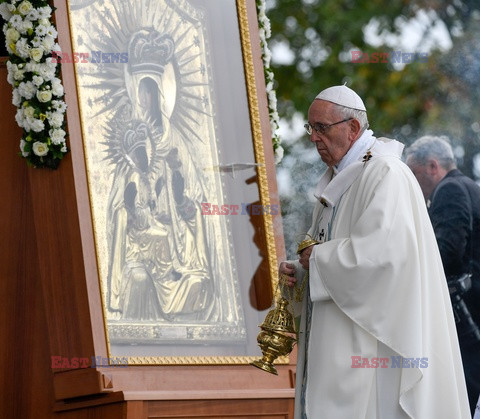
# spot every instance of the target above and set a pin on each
(360, 116)
(430, 146)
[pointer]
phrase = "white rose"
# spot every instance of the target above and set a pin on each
(23, 143)
(39, 148)
(57, 135)
(24, 7)
(36, 54)
(12, 35)
(44, 95)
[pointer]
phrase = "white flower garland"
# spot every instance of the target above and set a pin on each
(37, 90)
(265, 33)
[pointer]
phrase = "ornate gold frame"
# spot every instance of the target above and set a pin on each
(258, 144)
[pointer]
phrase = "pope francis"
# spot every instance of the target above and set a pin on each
(377, 333)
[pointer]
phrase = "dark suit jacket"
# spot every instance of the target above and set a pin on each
(455, 203)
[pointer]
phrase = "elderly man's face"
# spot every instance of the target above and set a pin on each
(423, 173)
(338, 139)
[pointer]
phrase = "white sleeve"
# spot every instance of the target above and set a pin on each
(318, 292)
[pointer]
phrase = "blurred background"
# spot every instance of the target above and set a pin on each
(436, 92)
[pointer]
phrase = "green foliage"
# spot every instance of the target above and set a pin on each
(438, 96)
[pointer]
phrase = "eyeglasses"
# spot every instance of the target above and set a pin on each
(321, 128)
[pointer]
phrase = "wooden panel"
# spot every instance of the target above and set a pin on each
(265, 409)
(201, 409)
(26, 380)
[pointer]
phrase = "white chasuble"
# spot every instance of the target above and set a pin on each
(382, 340)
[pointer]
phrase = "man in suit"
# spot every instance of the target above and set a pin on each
(453, 202)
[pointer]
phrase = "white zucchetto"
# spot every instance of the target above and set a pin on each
(342, 95)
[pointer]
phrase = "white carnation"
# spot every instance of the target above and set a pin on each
(267, 57)
(16, 98)
(59, 105)
(272, 99)
(16, 21)
(48, 42)
(39, 148)
(32, 14)
(29, 112)
(22, 48)
(36, 125)
(55, 119)
(46, 71)
(51, 31)
(27, 89)
(57, 135)
(19, 118)
(5, 12)
(278, 154)
(26, 26)
(41, 30)
(44, 12)
(10, 79)
(37, 80)
(57, 88)
(23, 143)
(37, 41)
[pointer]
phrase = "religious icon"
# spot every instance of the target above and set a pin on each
(168, 276)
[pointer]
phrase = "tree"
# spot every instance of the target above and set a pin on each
(439, 94)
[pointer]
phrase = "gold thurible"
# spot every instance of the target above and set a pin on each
(275, 338)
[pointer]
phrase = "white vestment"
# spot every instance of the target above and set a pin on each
(378, 291)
